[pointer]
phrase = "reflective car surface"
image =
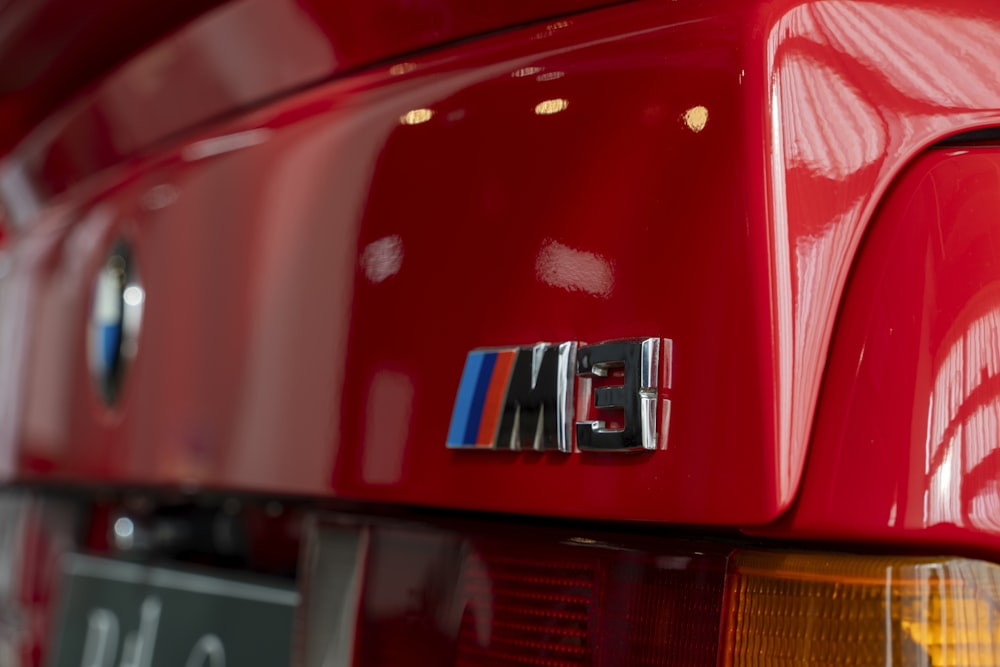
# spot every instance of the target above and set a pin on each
(439, 332)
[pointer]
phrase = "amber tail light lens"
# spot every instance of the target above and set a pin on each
(412, 594)
(794, 609)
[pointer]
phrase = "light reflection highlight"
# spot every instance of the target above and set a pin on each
(159, 197)
(525, 71)
(550, 76)
(574, 270)
(401, 68)
(950, 67)
(831, 129)
(549, 107)
(387, 427)
(124, 527)
(383, 258)
(124, 531)
(18, 194)
(133, 295)
(696, 118)
(963, 438)
(416, 116)
(225, 143)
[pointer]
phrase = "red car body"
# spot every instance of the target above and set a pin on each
(330, 206)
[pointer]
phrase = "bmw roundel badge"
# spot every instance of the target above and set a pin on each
(115, 320)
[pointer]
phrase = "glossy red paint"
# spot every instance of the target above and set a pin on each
(317, 270)
(54, 49)
(906, 446)
(235, 57)
(268, 349)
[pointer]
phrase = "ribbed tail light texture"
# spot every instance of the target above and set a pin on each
(795, 609)
(504, 596)
(487, 601)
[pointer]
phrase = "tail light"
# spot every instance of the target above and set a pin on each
(487, 601)
(405, 594)
(861, 610)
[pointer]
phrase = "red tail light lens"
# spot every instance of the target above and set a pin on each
(486, 601)
(436, 597)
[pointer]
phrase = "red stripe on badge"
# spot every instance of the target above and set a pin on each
(493, 405)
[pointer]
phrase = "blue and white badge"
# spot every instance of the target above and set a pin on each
(115, 320)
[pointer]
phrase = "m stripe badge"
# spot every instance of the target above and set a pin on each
(480, 398)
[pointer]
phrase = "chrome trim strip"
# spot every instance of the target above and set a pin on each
(334, 568)
(564, 404)
(650, 364)
(650, 367)
(132, 573)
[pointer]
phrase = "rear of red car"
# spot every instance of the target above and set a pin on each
(445, 333)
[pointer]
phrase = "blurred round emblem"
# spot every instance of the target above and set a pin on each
(115, 318)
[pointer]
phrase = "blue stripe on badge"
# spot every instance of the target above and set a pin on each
(468, 411)
(479, 398)
(109, 345)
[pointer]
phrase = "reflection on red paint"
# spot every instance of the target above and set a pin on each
(558, 265)
(907, 443)
(610, 219)
(963, 443)
(383, 258)
(387, 427)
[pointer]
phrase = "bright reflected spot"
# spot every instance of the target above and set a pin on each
(124, 531)
(573, 270)
(225, 144)
(525, 71)
(387, 427)
(159, 197)
(107, 298)
(696, 118)
(133, 295)
(383, 258)
(830, 125)
(949, 69)
(416, 116)
(401, 68)
(20, 198)
(549, 107)
(551, 29)
(124, 528)
(550, 76)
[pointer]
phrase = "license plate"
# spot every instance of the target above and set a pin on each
(115, 614)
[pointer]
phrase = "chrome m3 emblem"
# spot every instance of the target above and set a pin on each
(524, 398)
